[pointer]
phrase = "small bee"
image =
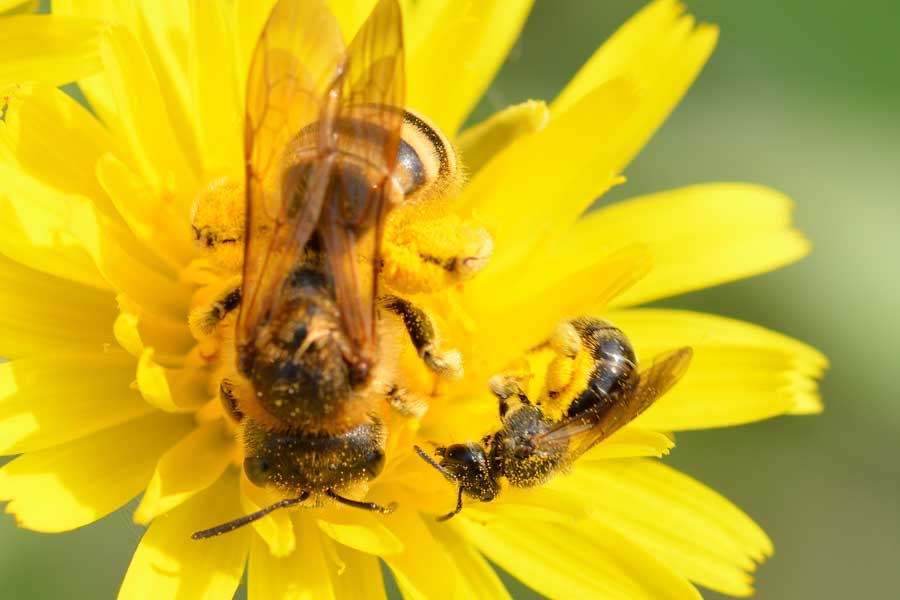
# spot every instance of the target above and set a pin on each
(330, 152)
(592, 389)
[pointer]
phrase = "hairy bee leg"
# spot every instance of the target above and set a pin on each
(217, 219)
(371, 506)
(508, 385)
(405, 403)
(422, 334)
(429, 255)
(455, 511)
(204, 319)
(566, 343)
(229, 400)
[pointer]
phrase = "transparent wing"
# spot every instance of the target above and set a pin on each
(297, 59)
(584, 431)
(368, 122)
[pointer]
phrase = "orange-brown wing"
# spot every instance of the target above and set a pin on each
(297, 59)
(369, 118)
(584, 431)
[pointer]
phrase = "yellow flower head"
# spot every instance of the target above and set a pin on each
(119, 336)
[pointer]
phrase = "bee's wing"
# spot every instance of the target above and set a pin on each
(296, 62)
(369, 118)
(584, 431)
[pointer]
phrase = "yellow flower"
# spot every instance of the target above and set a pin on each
(107, 394)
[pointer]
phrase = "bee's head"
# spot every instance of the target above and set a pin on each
(466, 465)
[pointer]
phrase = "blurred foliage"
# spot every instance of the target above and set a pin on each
(801, 96)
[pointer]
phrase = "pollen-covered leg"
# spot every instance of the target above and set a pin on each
(563, 364)
(590, 357)
(422, 334)
(204, 319)
(217, 220)
(406, 403)
(421, 255)
(566, 345)
(228, 396)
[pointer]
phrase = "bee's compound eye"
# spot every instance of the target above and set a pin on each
(257, 470)
(460, 453)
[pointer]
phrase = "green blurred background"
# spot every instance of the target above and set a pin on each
(802, 96)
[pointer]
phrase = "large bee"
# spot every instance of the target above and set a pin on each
(592, 389)
(330, 152)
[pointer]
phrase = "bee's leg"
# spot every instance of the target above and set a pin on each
(507, 385)
(428, 255)
(457, 510)
(217, 219)
(228, 397)
(204, 319)
(566, 344)
(511, 384)
(406, 403)
(385, 510)
(447, 363)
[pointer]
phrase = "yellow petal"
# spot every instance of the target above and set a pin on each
(108, 10)
(277, 528)
(306, 574)
(476, 578)
(45, 231)
(362, 531)
(161, 27)
(637, 37)
(587, 560)
(48, 401)
(172, 390)
(630, 442)
(34, 320)
(132, 268)
(675, 518)
(158, 224)
(499, 337)
(137, 329)
(358, 576)
(445, 84)
(661, 52)
(168, 564)
(218, 115)
(189, 467)
(351, 14)
(739, 373)
(699, 236)
(540, 504)
(55, 140)
(480, 143)
(423, 570)
(249, 17)
(566, 171)
(68, 486)
(48, 48)
(146, 129)
(96, 87)
(12, 7)
(39, 217)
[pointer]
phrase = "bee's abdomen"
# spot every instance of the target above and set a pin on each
(514, 453)
(299, 375)
(426, 161)
(614, 364)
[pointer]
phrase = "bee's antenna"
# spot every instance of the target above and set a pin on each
(434, 463)
(245, 520)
